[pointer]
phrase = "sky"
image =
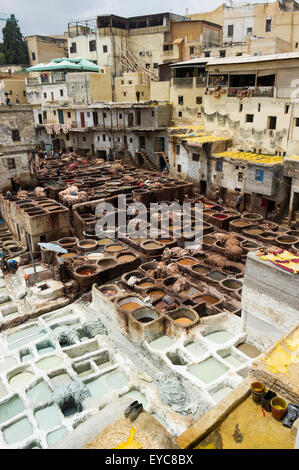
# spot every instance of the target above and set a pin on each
(46, 17)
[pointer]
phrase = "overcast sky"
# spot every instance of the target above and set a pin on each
(47, 17)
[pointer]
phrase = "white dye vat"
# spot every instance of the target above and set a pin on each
(11, 408)
(219, 337)
(25, 336)
(208, 370)
(161, 343)
(48, 417)
(195, 348)
(61, 379)
(39, 393)
(49, 363)
(20, 380)
(46, 350)
(3, 392)
(18, 431)
(233, 360)
(55, 436)
(136, 395)
(116, 380)
(221, 393)
(97, 387)
(26, 357)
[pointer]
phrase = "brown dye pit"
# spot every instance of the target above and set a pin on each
(201, 269)
(86, 272)
(240, 222)
(68, 255)
(209, 299)
(183, 321)
(86, 245)
(208, 240)
(105, 241)
(254, 231)
(146, 284)
(130, 306)
(165, 240)
(114, 248)
(126, 258)
(138, 240)
(187, 262)
(109, 292)
(249, 350)
(155, 294)
(152, 245)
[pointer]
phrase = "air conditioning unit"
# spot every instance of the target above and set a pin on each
(149, 53)
(142, 53)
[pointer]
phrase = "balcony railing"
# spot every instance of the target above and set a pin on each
(201, 81)
(239, 92)
(183, 82)
(46, 79)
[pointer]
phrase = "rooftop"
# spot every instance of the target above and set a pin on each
(251, 157)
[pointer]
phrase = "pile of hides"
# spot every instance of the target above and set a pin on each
(216, 260)
(164, 270)
(177, 252)
(39, 192)
(180, 284)
(233, 250)
(21, 195)
(116, 168)
(71, 196)
(155, 185)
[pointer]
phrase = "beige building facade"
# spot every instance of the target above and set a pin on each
(42, 49)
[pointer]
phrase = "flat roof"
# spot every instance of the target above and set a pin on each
(238, 59)
(251, 157)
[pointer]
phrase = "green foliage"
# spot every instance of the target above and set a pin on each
(14, 47)
(2, 58)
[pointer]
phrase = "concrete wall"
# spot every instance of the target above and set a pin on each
(160, 91)
(18, 89)
(269, 302)
(189, 110)
(45, 48)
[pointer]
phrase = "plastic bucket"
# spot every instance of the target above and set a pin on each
(258, 390)
(278, 408)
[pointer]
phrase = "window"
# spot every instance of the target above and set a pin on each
(52, 95)
(177, 149)
(240, 107)
(286, 108)
(240, 177)
(230, 30)
(88, 114)
(296, 45)
(219, 166)
(98, 138)
(180, 100)
(122, 82)
(92, 45)
(199, 100)
(11, 163)
(268, 25)
(69, 114)
(259, 175)
(207, 54)
(131, 140)
(130, 82)
(67, 137)
(33, 56)
(105, 48)
(24, 93)
(73, 48)
(180, 114)
(104, 138)
(44, 114)
(84, 139)
(249, 117)
(153, 113)
(54, 112)
(120, 116)
(156, 65)
(104, 115)
(61, 92)
(238, 54)
(222, 53)
(179, 168)
(195, 157)
(272, 122)
(124, 93)
(109, 139)
(191, 50)
(296, 122)
(249, 30)
(259, 107)
(45, 95)
(148, 66)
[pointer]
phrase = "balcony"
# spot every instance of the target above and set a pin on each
(246, 92)
(46, 79)
(201, 81)
(186, 82)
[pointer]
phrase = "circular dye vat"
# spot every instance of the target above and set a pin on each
(130, 303)
(187, 262)
(21, 380)
(126, 258)
(68, 255)
(254, 231)
(85, 272)
(138, 240)
(232, 284)
(220, 216)
(240, 223)
(163, 306)
(183, 321)
(105, 241)
(152, 245)
(201, 270)
(208, 240)
(209, 299)
(146, 284)
(156, 294)
(114, 248)
(109, 292)
(49, 362)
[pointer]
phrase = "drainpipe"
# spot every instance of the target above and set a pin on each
(31, 254)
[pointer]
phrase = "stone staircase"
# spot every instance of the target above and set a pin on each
(147, 162)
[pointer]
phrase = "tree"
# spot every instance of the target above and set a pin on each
(14, 46)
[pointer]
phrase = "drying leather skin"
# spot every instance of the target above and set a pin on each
(291, 415)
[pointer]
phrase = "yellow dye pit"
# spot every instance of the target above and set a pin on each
(279, 360)
(130, 443)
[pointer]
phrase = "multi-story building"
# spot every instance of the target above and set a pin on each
(12, 88)
(17, 142)
(42, 49)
